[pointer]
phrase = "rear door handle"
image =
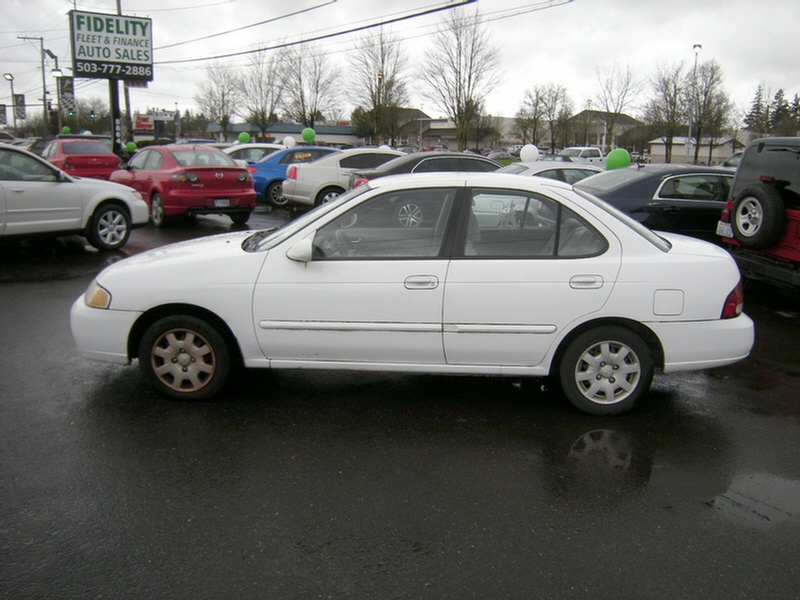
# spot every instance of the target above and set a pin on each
(586, 282)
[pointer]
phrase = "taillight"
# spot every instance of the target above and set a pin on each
(734, 303)
(252, 170)
(725, 217)
(360, 181)
(245, 177)
(185, 177)
(292, 172)
(68, 166)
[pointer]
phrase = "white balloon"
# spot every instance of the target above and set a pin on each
(289, 141)
(529, 153)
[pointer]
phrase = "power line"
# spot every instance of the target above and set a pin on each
(322, 37)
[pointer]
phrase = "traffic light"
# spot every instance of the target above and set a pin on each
(91, 115)
(71, 112)
(50, 107)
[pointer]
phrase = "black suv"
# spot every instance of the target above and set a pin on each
(761, 221)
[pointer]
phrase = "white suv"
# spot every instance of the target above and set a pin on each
(39, 200)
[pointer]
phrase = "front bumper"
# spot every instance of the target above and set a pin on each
(101, 334)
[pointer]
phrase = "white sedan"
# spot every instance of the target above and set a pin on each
(569, 172)
(581, 293)
(38, 199)
(321, 181)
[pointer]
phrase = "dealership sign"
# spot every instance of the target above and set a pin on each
(111, 46)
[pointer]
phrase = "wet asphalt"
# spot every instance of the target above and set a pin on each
(341, 485)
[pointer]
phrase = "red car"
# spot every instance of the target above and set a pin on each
(189, 180)
(82, 157)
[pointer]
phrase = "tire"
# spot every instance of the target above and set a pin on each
(327, 194)
(184, 357)
(606, 370)
(758, 217)
(275, 195)
(409, 215)
(157, 216)
(240, 218)
(110, 228)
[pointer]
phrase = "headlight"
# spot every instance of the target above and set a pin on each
(96, 296)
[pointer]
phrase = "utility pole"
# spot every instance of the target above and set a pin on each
(45, 118)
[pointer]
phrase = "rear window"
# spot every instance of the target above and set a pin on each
(86, 148)
(198, 157)
(609, 180)
(780, 161)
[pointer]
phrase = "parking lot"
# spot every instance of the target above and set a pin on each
(339, 485)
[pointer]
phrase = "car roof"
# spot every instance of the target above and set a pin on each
(464, 179)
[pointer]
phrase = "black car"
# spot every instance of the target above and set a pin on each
(426, 162)
(684, 199)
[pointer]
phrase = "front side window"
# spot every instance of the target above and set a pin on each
(401, 224)
(525, 225)
(695, 187)
(15, 166)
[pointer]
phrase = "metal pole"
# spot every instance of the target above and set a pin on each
(10, 78)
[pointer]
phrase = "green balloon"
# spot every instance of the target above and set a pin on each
(130, 147)
(308, 135)
(618, 159)
(65, 129)
(244, 137)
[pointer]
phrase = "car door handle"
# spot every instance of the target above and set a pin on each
(586, 282)
(421, 282)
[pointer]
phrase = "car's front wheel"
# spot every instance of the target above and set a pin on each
(184, 357)
(275, 194)
(110, 228)
(605, 371)
(157, 215)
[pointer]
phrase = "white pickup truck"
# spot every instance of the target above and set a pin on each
(585, 154)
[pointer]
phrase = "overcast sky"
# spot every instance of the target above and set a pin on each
(540, 41)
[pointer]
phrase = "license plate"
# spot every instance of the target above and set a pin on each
(222, 202)
(724, 229)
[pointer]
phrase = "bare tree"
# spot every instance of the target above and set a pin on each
(261, 88)
(379, 84)
(460, 70)
(666, 111)
(618, 90)
(312, 86)
(556, 110)
(707, 100)
(218, 96)
(530, 117)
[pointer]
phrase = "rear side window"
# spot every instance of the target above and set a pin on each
(365, 161)
(476, 166)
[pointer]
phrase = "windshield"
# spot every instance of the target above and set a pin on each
(265, 240)
(571, 152)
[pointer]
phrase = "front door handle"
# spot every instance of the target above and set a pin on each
(421, 282)
(586, 282)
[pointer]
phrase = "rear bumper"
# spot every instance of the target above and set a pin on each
(763, 268)
(202, 204)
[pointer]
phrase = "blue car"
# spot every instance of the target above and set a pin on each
(270, 171)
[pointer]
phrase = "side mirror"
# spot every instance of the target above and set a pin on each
(302, 251)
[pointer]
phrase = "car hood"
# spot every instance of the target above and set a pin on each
(96, 186)
(182, 272)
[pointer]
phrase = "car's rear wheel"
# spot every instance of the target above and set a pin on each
(157, 215)
(606, 370)
(184, 357)
(328, 194)
(275, 194)
(110, 228)
(758, 217)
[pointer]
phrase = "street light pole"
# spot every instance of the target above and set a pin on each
(689, 145)
(10, 78)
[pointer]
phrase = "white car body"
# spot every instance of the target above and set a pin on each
(301, 297)
(585, 154)
(320, 181)
(560, 171)
(39, 200)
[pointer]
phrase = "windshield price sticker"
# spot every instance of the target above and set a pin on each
(111, 46)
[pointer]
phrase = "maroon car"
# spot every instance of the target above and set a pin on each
(82, 157)
(189, 180)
